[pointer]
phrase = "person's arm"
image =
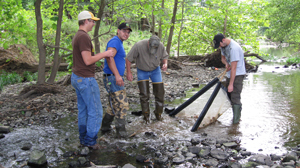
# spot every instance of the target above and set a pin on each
(89, 59)
(165, 64)
(232, 75)
(227, 66)
(112, 66)
(128, 70)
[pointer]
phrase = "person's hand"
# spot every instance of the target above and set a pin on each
(119, 81)
(109, 53)
(164, 67)
(230, 88)
(129, 76)
(228, 67)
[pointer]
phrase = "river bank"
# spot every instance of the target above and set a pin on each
(48, 123)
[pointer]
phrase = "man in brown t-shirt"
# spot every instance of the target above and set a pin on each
(147, 55)
(89, 105)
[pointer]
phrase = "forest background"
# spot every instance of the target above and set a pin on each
(186, 27)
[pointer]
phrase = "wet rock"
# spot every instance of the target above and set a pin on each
(82, 161)
(196, 140)
(4, 129)
(69, 154)
(219, 154)
(26, 146)
(276, 166)
(128, 165)
(290, 163)
(73, 164)
(37, 158)
(230, 145)
(211, 163)
(245, 153)
(2, 136)
(274, 157)
(84, 151)
(140, 158)
(204, 152)
(178, 160)
(161, 160)
(194, 149)
(290, 156)
(261, 159)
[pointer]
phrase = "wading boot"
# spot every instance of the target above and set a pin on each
(144, 98)
(120, 128)
(236, 108)
(106, 122)
(159, 93)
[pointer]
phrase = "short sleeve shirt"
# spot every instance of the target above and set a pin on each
(145, 61)
(233, 52)
(119, 58)
(82, 42)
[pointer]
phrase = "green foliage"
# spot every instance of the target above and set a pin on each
(9, 79)
(292, 60)
(284, 20)
(28, 76)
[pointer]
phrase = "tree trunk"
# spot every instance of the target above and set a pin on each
(56, 59)
(96, 31)
(181, 27)
(159, 24)
(172, 26)
(40, 43)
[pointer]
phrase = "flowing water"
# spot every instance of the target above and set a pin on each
(270, 124)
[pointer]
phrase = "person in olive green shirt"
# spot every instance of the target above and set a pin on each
(148, 54)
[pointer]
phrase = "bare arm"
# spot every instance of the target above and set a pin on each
(89, 59)
(112, 66)
(225, 63)
(232, 75)
(128, 70)
(165, 64)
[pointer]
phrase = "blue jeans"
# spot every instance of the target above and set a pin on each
(90, 110)
(154, 75)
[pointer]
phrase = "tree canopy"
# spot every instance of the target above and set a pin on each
(185, 27)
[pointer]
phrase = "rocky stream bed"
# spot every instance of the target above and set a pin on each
(41, 131)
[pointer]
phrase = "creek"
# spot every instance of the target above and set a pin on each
(270, 124)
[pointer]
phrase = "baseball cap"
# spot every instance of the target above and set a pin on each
(87, 15)
(217, 39)
(124, 25)
(154, 42)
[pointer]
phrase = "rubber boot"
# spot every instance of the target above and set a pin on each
(120, 128)
(236, 108)
(159, 93)
(106, 122)
(144, 98)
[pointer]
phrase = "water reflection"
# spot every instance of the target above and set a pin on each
(270, 116)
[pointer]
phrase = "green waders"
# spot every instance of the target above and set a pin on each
(159, 93)
(144, 98)
(236, 108)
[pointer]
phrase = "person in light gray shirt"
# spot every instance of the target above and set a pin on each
(233, 58)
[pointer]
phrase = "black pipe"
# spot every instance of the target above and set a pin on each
(206, 107)
(194, 97)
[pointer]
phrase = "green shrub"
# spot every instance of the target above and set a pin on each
(292, 60)
(9, 78)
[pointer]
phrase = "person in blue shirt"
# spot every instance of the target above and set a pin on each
(114, 83)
